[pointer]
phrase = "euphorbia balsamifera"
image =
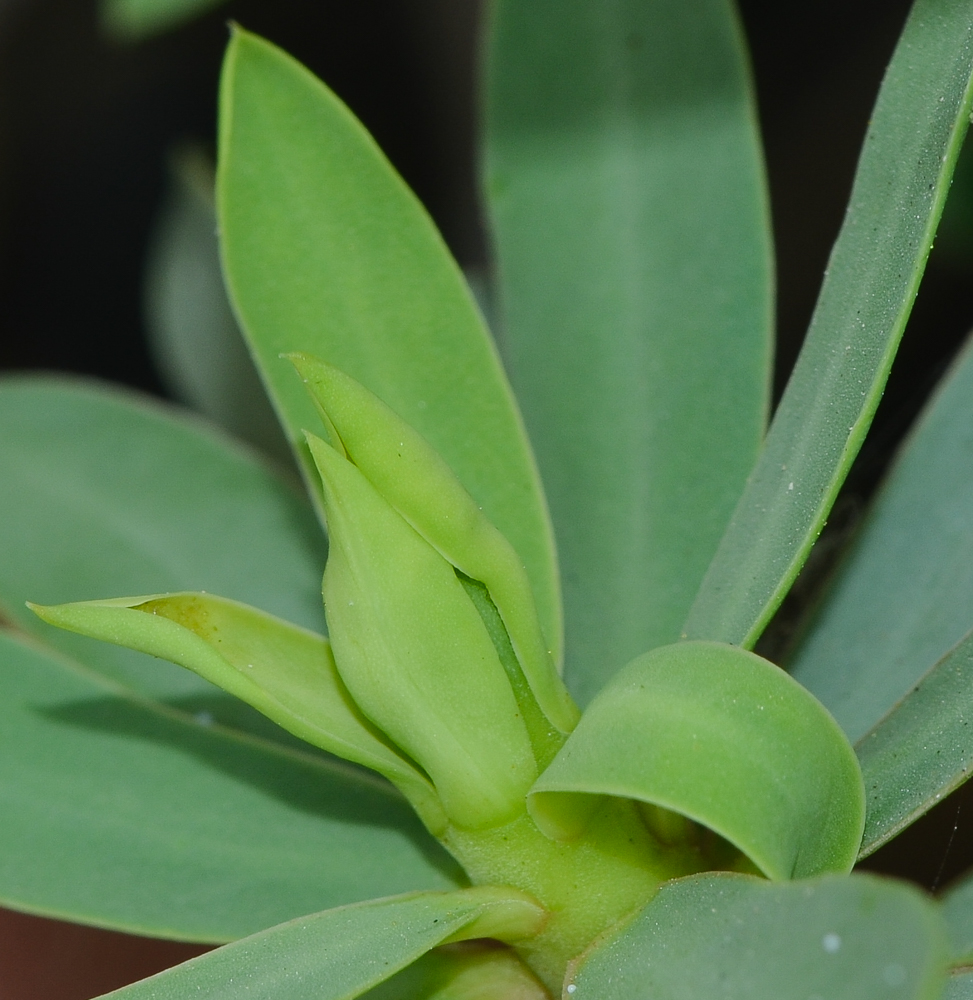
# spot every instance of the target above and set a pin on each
(690, 832)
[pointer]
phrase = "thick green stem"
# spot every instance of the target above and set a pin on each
(588, 884)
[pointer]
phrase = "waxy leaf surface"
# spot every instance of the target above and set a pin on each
(903, 597)
(342, 953)
(105, 493)
(415, 654)
(921, 750)
(622, 162)
(124, 815)
(729, 740)
(740, 938)
(327, 251)
(913, 140)
(283, 671)
(957, 908)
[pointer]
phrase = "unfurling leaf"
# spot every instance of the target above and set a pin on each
(412, 477)
(415, 654)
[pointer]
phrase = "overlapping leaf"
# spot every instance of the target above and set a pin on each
(340, 954)
(741, 938)
(326, 251)
(120, 814)
(913, 140)
(622, 162)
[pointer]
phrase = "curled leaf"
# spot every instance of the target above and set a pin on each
(729, 740)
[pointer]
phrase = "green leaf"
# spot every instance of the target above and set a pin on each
(904, 596)
(959, 986)
(105, 493)
(740, 938)
(283, 671)
(473, 970)
(913, 140)
(195, 340)
(125, 815)
(921, 750)
(340, 954)
(957, 908)
(134, 20)
(413, 479)
(326, 251)
(726, 738)
(415, 654)
(622, 162)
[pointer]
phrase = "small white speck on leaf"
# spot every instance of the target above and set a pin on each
(831, 943)
(790, 486)
(570, 988)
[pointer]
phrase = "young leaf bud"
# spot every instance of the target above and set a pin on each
(415, 654)
(415, 481)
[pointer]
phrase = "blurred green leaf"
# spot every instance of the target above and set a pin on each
(726, 738)
(326, 251)
(125, 815)
(134, 20)
(340, 954)
(957, 908)
(740, 938)
(472, 970)
(913, 140)
(622, 161)
(195, 340)
(106, 493)
(903, 597)
(921, 750)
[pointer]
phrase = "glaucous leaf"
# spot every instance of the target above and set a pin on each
(327, 251)
(342, 953)
(195, 341)
(622, 159)
(903, 597)
(285, 672)
(957, 908)
(959, 985)
(127, 815)
(740, 938)
(921, 750)
(104, 492)
(726, 738)
(914, 137)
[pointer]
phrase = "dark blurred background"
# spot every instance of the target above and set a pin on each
(86, 125)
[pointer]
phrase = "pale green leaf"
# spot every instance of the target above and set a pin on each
(729, 740)
(125, 815)
(342, 953)
(326, 251)
(626, 190)
(106, 493)
(913, 140)
(740, 938)
(283, 671)
(195, 341)
(904, 596)
(921, 750)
